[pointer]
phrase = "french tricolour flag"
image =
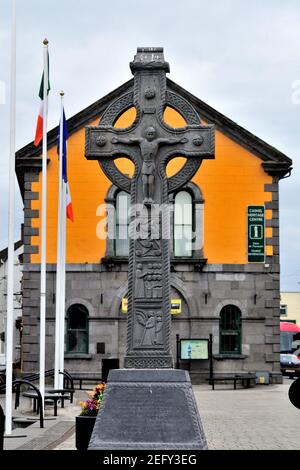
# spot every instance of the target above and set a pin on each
(69, 208)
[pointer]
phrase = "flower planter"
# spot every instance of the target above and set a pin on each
(84, 429)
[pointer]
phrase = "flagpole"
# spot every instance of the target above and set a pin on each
(63, 271)
(43, 228)
(63, 287)
(11, 230)
(59, 266)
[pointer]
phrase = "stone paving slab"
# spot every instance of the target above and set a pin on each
(260, 418)
(46, 437)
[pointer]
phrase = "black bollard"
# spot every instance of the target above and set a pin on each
(294, 393)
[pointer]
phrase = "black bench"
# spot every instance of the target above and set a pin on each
(68, 386)
(246, 380)
(49, 398)
(86, 378)
(63, 391)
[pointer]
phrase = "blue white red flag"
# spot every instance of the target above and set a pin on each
(69, 207)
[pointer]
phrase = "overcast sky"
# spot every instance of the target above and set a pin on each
(242, 58)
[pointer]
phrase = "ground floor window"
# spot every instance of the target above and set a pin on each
(230, 330)
(77, 329)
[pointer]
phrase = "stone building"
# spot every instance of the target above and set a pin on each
(290, 307)
(17, 330)
(225, 283)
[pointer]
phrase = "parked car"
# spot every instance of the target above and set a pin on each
(290, 365)
(297, 351)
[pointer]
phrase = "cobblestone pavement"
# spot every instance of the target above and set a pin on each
(259, 418)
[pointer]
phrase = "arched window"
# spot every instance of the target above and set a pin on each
(230, 330)
(183, 224)
(121, 223)
(77, 329)
(186, 225)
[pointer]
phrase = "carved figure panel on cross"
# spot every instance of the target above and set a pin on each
(150, 144)
(151, 327)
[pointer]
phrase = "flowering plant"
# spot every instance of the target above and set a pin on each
(91, 406)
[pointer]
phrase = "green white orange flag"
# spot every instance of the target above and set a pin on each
(40, 122)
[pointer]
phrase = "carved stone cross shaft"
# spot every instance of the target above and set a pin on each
(150, 144)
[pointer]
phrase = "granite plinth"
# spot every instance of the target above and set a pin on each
(148, 409)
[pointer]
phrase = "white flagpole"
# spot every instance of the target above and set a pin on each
(59, 266)
(43, 228)
(63, 287)
(11, 229)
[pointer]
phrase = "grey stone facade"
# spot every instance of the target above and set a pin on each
(203, 295)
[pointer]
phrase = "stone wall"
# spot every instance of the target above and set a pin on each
(254, 289)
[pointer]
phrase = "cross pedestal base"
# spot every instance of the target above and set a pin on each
(148, 409)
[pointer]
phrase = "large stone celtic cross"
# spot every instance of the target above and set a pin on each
(150, 144)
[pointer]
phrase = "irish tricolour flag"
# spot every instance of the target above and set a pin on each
(39, 124)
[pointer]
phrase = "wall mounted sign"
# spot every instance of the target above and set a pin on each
(175, 306)
(124, 305)
(256, 234)
(194, 349)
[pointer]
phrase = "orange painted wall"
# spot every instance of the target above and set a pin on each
(231, 182)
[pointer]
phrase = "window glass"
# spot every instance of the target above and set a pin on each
(183, 224)
(230, 330)
(286, 341)
(122, 221)
(77, 331)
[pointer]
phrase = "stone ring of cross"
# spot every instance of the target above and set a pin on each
(135, 137)
(150, 154)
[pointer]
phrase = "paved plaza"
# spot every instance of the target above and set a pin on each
(260, 418)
